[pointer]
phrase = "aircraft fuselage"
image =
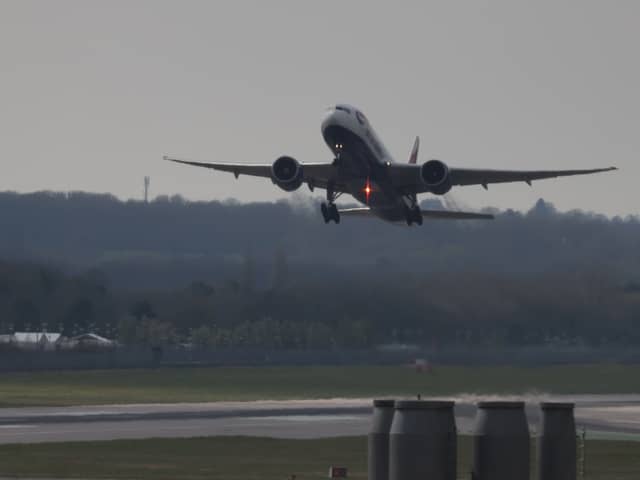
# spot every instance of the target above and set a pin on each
(362, 161)
(364, 168)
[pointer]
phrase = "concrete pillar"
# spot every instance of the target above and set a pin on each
(557, 449)
(501, 442)
(423, 441)
(378, 461)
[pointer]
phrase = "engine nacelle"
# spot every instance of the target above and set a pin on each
(286, 172)
(435, 175)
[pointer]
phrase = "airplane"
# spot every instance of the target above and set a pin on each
(363, 168)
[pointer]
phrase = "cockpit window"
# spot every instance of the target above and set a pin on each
(361, 118)
(343, 109)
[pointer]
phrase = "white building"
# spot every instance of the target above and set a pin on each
(44, 340)
(55, 341)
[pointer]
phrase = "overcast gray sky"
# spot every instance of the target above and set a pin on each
(92, 94)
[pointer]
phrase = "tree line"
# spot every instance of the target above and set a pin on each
(223, 275)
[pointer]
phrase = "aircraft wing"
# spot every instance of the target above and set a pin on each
(467, 176)
(407, 177)
(431, 214)
(317, 175)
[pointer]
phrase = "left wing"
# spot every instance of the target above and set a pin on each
(468, 176)
(407, 176)
(314, 174)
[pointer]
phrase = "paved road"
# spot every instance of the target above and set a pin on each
(280, 419)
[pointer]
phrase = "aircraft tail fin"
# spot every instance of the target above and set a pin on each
(413, 158)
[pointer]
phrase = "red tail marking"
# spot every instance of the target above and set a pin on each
(413, 158)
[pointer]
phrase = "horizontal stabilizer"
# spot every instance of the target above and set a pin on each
(355, 212)
(430, 214)
(455, 215)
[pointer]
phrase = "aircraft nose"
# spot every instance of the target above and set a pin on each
(329, 118)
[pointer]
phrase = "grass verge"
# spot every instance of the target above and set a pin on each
(259, 383)
(249, 458)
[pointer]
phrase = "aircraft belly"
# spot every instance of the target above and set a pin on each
(386, 207)
(354, 165)
(359, 166)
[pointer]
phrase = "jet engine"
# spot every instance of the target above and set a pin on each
(286, 172)
(435, 175)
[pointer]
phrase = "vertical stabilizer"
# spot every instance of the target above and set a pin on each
(413, 158)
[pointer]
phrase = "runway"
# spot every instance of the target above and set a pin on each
(616, 416)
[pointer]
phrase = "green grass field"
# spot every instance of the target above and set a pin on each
(247, 458)
(259, 383)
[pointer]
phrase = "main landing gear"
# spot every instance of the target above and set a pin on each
(329, 209)
(330, 212)
(413, 213)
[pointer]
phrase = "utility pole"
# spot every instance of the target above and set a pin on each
(147, 182)
(583, 454)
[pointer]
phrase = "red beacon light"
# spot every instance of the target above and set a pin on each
(367, 190)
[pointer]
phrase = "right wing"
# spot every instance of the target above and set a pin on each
(255, 170)
(406, 177)
(316, 175)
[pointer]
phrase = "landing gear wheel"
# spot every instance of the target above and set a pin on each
(330, 212)
(335, 215)
(325, 212)
(329, 209)
(417, 215)
(414, 215)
